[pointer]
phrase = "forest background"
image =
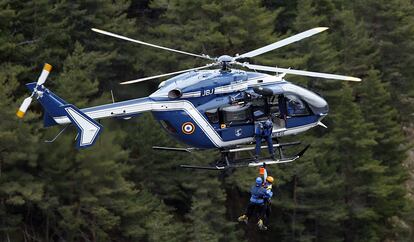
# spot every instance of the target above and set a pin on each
(354, 184)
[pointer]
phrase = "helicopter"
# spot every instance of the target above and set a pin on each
(205, 108)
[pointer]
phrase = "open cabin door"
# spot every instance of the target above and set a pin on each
(288, 111)
(277, 108)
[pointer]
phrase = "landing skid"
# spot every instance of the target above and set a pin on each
(238, 164)
(225, 163)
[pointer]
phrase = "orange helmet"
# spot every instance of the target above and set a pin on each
(270, 179)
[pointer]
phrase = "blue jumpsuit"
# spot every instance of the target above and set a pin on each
(263, 130)
(258, 193)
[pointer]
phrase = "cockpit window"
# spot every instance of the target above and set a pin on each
(295, 106)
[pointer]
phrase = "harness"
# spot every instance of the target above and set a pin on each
(257, 195)
(264, 128)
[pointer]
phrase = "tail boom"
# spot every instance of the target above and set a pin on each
(59, 112)
(123, 109)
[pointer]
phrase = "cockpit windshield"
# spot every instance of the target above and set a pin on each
(315, 102)
(295, 106)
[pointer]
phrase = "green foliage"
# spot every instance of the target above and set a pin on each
(78, 66)
(210, 27)
(391, 25)
(19, 186)
(350, 185)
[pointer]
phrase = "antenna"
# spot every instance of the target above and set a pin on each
(112, 95)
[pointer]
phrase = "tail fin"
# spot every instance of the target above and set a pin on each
(54, 106)
(50, 102)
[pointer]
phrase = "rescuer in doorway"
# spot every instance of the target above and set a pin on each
(263, 130)
(258, 194)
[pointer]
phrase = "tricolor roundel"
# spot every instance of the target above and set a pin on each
(188, 128)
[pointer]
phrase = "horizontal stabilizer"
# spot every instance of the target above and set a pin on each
(88, 129)
(48, 120)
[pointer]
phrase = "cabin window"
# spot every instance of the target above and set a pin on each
(295, 106)
(259, 108)
(273, 103)
(237, 114)
(212, 115)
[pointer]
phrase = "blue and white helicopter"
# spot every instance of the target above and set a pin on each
(205, 109)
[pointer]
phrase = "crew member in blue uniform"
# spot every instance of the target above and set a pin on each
(263, 130)
(258, 194)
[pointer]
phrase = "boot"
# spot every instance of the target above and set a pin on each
(243, 218)
(261, 225)
(256, 158)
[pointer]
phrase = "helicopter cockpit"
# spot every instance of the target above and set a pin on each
(295, 106)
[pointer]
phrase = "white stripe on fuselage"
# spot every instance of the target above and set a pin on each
(185, 105)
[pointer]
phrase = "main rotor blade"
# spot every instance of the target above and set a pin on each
(148, 44)
(282, 43)
(166, 74)
(301, 73)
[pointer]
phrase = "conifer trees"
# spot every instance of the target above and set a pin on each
(348, 187)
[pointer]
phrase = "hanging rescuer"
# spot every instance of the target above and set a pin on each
(259, 204)
(268, 185)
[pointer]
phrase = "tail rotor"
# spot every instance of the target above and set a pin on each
(27, 101)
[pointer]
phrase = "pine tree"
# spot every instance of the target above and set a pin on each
(20, 188)
(390, 148)
(391, 25)
(360, 179)
(208, 213)
(359, 59)
(213, 28)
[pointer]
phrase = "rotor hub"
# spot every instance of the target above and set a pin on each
(225, 61)
(225, 58)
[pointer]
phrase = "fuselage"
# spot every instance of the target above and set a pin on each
(220, 114)
(216, 109)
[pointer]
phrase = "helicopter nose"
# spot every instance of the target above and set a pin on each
(319, 105)
(325, 109)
